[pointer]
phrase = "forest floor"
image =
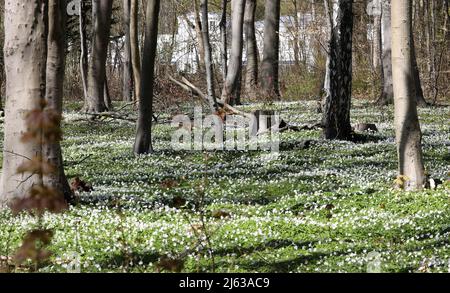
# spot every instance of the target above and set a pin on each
(330, 207)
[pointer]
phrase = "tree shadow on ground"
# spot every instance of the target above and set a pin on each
(130, 260)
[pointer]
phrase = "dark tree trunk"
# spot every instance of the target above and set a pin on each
(251, 77)
(84, 52)
(416, 75)
(101, 15)
(127, 67)
(208, 56)
(270, 61)
(55, 89)
(336, 117)
(230, 92)
(143, 142)
(223, 37)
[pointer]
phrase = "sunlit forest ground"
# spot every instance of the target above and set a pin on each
(317, 207)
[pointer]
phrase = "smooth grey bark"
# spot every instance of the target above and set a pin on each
(336, 116)
(143, 141)
(106, 95)
(101, 18)
(376, 44)
(223, 38)
(208, 57)
(198, 32)
(84, 51)
(135, 51)
(231, 92)
(127, 81)
(270, 60)
(55, 67)
(25, 52)
(407, 127)
(251, 73)
(326, 82)
(386, 96)
(387, 93)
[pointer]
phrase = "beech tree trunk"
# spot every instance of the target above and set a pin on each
(84, 50)
(230, 92)
(101, 15)
(143, 142)
(25, 52)
(270, 61)
(134, 44)
(336, 116)
(326, 81)
(387, 93)
(251, 77)
(223, 37)
(376, 58)
(127, 81)
(407, 127)
(208, 57)
(55, 89)
(200, 36)
(387, 96)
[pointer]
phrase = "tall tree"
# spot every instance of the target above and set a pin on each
(31, 26)
(143, 141)
(387, 96)
(223, 39)
(134, 44)
(84, 51)
(101, 18)
(387, 92)
(270, 61)
(55, 88)
(231, 88)
(326, 80)
(208, 56)
(376, 40)
(127, 81)
(198, 31)
(251, 76)
(407, 127)
(336, 116)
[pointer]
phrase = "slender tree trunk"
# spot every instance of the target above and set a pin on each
(251, 77)
(143, 142)
(387, 93)
(101, 15)
(84, 50)
(296, 34)
(326, 82)
(25, 65)
(106, 95)
(407, 127)
(55, 89)
(223, 37)
(270, 61)
(198, 31)
(208, 57)
(376, 58)
(230, 92)
(336, 116)
(134, 43)
(127, 67)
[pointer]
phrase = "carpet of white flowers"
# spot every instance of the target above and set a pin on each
(327, 208)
